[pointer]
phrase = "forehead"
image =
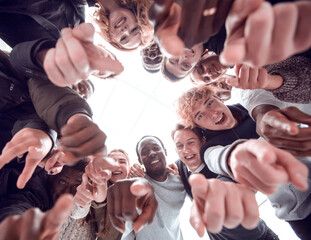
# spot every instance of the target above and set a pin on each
(117, 155)
(148, 142)
(70, 174)
(184, 135)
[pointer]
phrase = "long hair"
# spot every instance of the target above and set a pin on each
(139, 8)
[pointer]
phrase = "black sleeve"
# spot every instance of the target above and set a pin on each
(23, 57)
(55, 105)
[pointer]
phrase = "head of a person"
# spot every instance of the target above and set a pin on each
(126, 27)
(188, 143)
(84, 88)
(222, 88)
(152, 154)
(200, 107)
(177, 68)
(67, 180)
(123, 163)
(152, 57)
(208, 69)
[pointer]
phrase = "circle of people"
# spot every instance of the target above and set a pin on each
(59, 181)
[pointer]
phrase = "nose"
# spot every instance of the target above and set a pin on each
(152, 153)
(124, 28)
(185, 149)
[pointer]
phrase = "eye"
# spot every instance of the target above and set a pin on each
(156, 148)
(134, 29)
(187, 66)
(190, 143)
(62, 182)
(144, 153)
(179, 146)
(200, 116)
(173, 60)
(207, 79)
(210, 103)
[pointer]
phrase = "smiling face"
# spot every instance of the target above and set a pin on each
(123, 166)
(152, 156)
(188, 146)
(182, 65)
(124, 29)
(66, 181)
(212, 114)
(208, 69)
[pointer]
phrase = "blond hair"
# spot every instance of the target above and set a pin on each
(188, 101)
(139, 8)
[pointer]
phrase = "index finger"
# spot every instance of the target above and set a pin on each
(56, 217)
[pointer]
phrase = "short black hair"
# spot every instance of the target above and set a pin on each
(146, 136)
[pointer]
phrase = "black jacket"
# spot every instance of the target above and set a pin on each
(246, 129)
(29, 26)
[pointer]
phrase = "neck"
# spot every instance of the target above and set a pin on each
(108, 4)
(159, 178)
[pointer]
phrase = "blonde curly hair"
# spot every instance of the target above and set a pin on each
(139, 8)
(186, 103)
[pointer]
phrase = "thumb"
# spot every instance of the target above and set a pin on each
(234, 82)
(84, 32)
(199, 186)
(140, 188)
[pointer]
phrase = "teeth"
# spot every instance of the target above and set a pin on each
(220, 118)
(116, 173)
(190, 157)
(155, 161)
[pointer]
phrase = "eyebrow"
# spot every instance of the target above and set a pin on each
(203, 104)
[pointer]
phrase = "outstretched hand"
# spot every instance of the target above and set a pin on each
(75, 57)
(217, 204)
(263, 167)
(32, 141)
(82, 137)
(258, 33)
(279, 127)
(177, 27)
(37, 225)
(125, 196)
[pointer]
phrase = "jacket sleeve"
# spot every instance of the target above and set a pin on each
(23, 57)
(216, 158)
(55, 105)
(296, 74)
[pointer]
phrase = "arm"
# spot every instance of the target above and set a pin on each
(279, 127)
(262, 167)
(288, 80)
(35, 224)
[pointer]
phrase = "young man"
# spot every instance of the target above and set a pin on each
(188, 144)
(168, 189)
(254, 163)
